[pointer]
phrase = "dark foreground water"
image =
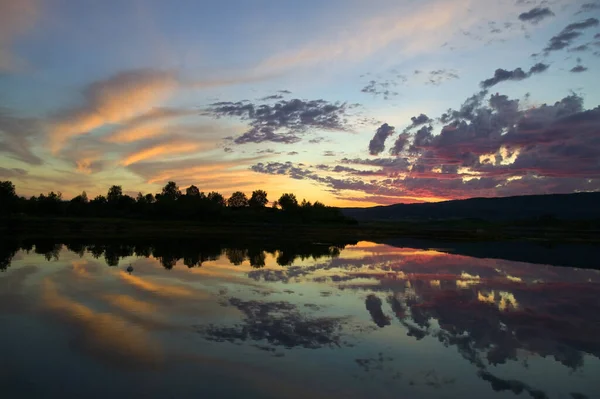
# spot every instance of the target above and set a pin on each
(364, 321)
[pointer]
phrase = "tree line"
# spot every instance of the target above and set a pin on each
(170, 203)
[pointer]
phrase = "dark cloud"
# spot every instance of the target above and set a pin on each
(272, 97)
(279, 324)
(16, 136)
(374, 306)
(538, 68)
(420, 120)
(589, 7)
(329, 154)
(401, 144)
(377, 144)
(265, 133)
(357, 172)
(490, 146)
(316, 140)
(291, 153)
(382, 89)
(501, 75)
(571, 32)
(439, 76)
(581, 48)
(397, 164)
(578, 69)
(536, 14)
(9, 173)
(284, 168)
(283, 121)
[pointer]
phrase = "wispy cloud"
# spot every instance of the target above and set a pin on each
(16, 18)
(16, 136)
(171, 147)
(116, 99)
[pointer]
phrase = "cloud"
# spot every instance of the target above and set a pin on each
(161, 150)
(571, 32)
(439, 76)
(117, 99)
(272, 97)
(502, 75)
(490, 146)
(101, 334)
(129, 98)
(266, 134)
(401, 144)
(17, 135)
(377, 144)
(410, 29)
(9, 173)
(283, 121)
(146, 125)
(380, 89)
(581, 48)
(536, 14)
(578, 69)
(396, 164)
(209, 173)
(16, 19)
(589, 7)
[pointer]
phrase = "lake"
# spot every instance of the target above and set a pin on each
(360, 320)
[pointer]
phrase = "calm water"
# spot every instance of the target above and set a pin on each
(364, 321)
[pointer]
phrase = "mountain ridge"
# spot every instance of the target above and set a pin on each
(575, 206)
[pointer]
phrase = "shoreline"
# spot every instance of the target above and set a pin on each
(456, 230)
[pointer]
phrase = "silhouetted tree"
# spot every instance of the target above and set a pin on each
(114, 194)
(8, 197)
(258, 199)
(170, 192)
(216, 199)
(99, 199)
(237, 200)
(288, 202)
(192, 191)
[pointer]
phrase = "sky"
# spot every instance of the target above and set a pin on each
(349, 102)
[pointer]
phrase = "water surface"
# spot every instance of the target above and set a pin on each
(266, 321)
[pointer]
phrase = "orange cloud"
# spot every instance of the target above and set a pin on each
(164, 290)
(114, 100)
(147, 125)
(130, 304)
(103, 335)
(16, 18)
(176, 147)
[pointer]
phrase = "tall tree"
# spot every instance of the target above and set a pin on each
(258, 199)
(8, 196)
(216, 198)
(170, 191)
(114, 194)
(237, 200)
(288, 202)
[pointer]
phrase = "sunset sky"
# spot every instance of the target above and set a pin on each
(350, 102)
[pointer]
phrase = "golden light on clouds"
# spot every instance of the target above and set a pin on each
(161, 150)
(114, 100)
(103, 334)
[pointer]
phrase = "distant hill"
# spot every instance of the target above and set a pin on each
(560, 206)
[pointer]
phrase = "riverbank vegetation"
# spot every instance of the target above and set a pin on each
(171, 204)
